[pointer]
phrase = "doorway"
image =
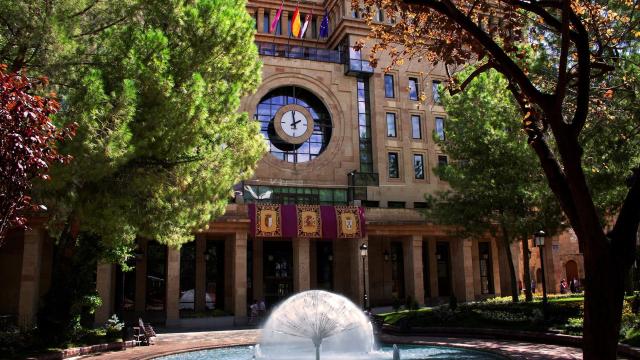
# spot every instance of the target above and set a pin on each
(443, 258)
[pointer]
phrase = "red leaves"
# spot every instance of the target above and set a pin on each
(27, 144)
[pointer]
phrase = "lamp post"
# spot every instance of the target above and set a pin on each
(538, 240)
(363, 253)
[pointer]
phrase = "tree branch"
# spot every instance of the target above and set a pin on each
(584, 76)
(623, 235)
(483, 68)
(84, 11)
(448, 9)
(561, 85)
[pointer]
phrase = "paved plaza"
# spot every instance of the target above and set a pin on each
(168, 343)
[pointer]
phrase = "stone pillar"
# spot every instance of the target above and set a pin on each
(105, 282)
(283, 23)
(475, 265)
(173, 286)
(496, 267)
(260, 20)
(239, 277)
(301, 265)
(357, 271)
(258, 268)
(30, 277)
(463, 270)
(141, 277)
(553, 271)
(433, 268)
(412, 253)
(199, 293)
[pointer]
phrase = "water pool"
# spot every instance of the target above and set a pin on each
(412, 352)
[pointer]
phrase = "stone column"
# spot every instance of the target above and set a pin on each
(199, 293)
(105, 281)
(30, 278)
(463, 271)
(258, 268)
(475, 265)
(239, 278)
(301, 265)
(357, 271)
(173, 286)
(141, 278)
(260, 19)
(412, 253)
(553, 271)
(496, 267)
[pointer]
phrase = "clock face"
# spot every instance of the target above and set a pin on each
(295, 123)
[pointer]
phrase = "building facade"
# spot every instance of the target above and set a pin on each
(342, 136)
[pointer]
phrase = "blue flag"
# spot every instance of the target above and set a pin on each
(324, 25)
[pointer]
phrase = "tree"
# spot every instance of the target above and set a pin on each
(28, 141)
(582, 42)
(154, 87)
(496, 186)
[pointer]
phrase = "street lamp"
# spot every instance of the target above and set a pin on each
(538, 240)
(363, 253)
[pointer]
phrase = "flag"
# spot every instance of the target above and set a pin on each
(295, 23)
(307, 19)
(324, 25)
(274, 23)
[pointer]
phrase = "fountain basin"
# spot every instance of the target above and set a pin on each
(408, 352)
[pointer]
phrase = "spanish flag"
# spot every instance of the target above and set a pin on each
(295, 23)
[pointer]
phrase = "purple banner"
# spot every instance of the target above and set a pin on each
(289, 220)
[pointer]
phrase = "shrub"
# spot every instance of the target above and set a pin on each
(113, 327)
(453, 302)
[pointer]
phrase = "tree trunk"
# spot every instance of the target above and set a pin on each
(506, 242)
(527, 271)
(603, 300)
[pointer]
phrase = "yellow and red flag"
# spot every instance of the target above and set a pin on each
(295, 23)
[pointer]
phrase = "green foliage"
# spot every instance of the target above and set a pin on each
(495, 179)
(453, 302)
(154, 87)
(113, 327)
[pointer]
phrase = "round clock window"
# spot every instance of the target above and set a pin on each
(295, 123)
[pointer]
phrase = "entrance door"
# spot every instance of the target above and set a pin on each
(278, 270)
(443, 257)
(324, 261)
(571, 268)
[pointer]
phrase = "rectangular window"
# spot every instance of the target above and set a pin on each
(265, 22)
(391, 125)
(413, 89)
(370, 203)
(394, 171)
(379, 15)
(279, 27)
(420, 205)
(289, 27)
(435, 91)
(418, 166)
(388, 86)
(443, 160)
(440, 127)
(396, 204)
(314, 27)
(416, 131)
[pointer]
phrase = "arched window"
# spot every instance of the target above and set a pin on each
(299, 103)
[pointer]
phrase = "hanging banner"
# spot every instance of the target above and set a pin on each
(309, 221)
(268, 220)
(348, 218)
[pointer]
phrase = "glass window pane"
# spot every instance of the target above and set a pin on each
(393, 165)
(416, 132)
(391, 125)
(418, 166)
(388, 86)
(413, 89)
(435, 91)
(440, 128)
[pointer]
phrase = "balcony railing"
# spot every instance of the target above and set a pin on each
(357, 67)
(301, 52)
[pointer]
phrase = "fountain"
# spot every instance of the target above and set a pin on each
(321, 325)
(331, 323)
